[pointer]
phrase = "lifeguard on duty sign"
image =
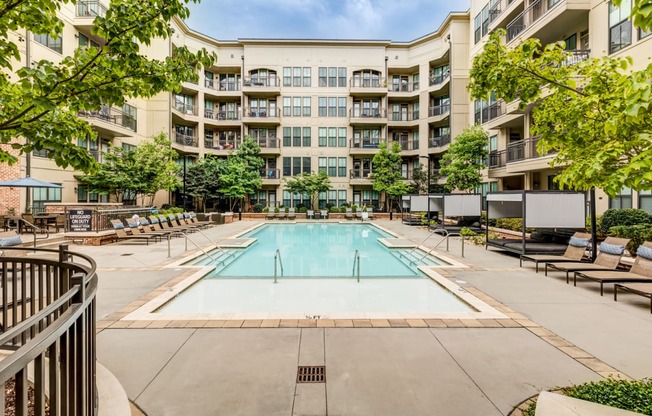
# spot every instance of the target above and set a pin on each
(80, 220)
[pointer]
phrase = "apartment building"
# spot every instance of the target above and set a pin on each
(590, 28)
(326, 105)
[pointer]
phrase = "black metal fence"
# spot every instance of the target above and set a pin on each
(48, 328)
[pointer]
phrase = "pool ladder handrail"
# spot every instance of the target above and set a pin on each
(216, 245)
(356, 262)
(197, 245)
(277, 255)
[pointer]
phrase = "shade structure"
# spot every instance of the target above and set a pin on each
(28, 182)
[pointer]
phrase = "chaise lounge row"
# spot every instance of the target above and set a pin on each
(155, 228)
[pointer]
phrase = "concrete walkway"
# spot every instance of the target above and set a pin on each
(567, 335)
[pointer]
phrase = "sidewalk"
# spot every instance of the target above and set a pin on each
(567, 335)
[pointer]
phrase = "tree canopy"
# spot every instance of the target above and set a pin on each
(202, 179)
(594, 114)
(241, 173)
(641, 13)
(310, 184)
(386, 175)
(462, 163)
(40, 102)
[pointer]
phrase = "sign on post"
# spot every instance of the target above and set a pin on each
(80, 220)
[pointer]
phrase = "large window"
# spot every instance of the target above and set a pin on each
(84, 41)
(296, 165)
(41, 196)
(620, 27)
(332, 106)
(332, 76)
(296, 76)
(645, 201)
(53, 43)
(622, 200)
(296, 106)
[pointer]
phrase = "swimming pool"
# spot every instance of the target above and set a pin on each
(318, 279)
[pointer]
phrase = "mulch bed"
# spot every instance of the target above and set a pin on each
(10, 400)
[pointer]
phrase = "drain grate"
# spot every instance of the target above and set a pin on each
(127, 254)
(311, 374)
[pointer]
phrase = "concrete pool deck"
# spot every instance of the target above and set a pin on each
(557, 335)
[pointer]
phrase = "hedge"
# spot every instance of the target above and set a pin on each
(638, 234)
(616, 217)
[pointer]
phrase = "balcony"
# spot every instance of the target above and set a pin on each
(368, 115)
(261, 86)
(270, 176)
(438, 113)
(400, 118)
(261, 115)
(360, 174)
(497, 159)
(227, 117)
(184, 109)
(403, 87)
(365, 142)
(547, 19)
(224, 87)
(369, 87)
(439, 141)
(503, 12)
(185, 140)
(269, 145)
(221, 144)
(576, 56)
(407, 145)
(439, 80)
(107, 118)
(86, 11)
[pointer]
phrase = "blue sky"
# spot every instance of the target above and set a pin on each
(396, 20)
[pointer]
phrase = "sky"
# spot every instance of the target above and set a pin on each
(395, 20)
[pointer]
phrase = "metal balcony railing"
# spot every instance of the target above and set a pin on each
(493, 111)
(112, 115)
(497, 159)
(528, 16)
(261, 112)
(261, 81)
(270, 173)
(439, 79)
(439, 110)
(185, 108)
(268, 143)
(185, 140)
(408, 144)
(222, 115)
(403, 86)
(524, 150)
(90, 8)
(360, 173)
(223, 85)
(439, 141)
(221, 144)
(48, 314)
(576, 56)
(357, 82)
(365, 142)
(367, 112)
(403, 116)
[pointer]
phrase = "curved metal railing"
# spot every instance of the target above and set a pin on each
(47, 333)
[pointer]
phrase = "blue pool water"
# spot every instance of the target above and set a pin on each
(318, 250)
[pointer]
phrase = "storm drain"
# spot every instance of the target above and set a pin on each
(311, 374)
(127, 254)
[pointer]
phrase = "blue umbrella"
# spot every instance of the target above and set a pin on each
(28, 182)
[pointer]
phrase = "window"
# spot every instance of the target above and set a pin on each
(287, 166)
(571, 42)
(287, 106)
(296, 106)
(332, 77)
(322, 106)
(322, 136)
(306, 137)
(50, 42)
(341, 107)
(323, 76)
(341, 167)
(439, 74)
(287, 136)
(92, 146)
(332, 106)
(483, 189)
(332, 137)
(341, 136)
(306, 106)
(306, 165)
(129, 116)
(296, 136)
(228, 82)
(40, 196)
(620, 28)
(477, 28)
(287, 76)
(643, 34)
(296, 76)
(84, 41)
(341, 77)
(645, 201)
(485, 20)
(332, 166)
(366, 79)
(341, 197)
(40, 153)
(306, 77)
(322, 165)
(623, 199)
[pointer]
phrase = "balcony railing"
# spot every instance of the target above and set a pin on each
(367, 112)
(439, 110)
(112, 115)
(270, 173)
(268, 143)
(360, 173)
(260, 112)
(222, 115)
(528, 16)
(403, 86)
(221, 144)
(439, 79)
(402, 116)
(408, 144)
(356, 82)
(365, 142)
(48, 314)
(493, 111)
(261, 82)
(439, 141)
(185, 140)
(184, 108)
(524, 149)
(90, 8)
(223, 85)
(576, 56)
(497, 159)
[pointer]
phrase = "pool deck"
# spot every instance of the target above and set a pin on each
(557, 334)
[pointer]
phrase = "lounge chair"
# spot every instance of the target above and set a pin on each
(370, 213)
(641, 271)
(169, 224)
(179, 220)
(122, 234)
(348, 214)
(292, 214)
(358, 213)
(204, 224)
(270, 215)
(610, 253)
(145, 227)
(310, 214)
(281, 215)
(641, 289)
(574, 252)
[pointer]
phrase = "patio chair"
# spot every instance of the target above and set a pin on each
(28, 223)
(281, 215)
(574, 252)
(122, 234)
(370, 213)
(59, 222)
(179, 220)
(641, 271)
(641, 289)
(610, 253)
(358, 213)
(144, 227)
(323, 214)
(270, 215)
(169, 224)
(204, 223)
(348, 214)
(292, 215)
(310, 214)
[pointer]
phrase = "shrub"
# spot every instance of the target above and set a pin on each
(514, 224)
(266, 209)
(598, 225)
(302, 210)
(329, 205)
(334, 209)
(354, 208)
(299, 206)
(635, 395)
(343, 208)
(345, 205)
(467, 232)
(276, 210)
(629, 216)
(638, 234)
(258, 207)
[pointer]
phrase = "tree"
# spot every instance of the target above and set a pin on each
(40, 102)
(464, 160)
(241, 174)
(387, 171)
(594, 114)
(420, 180)
(203, 179)
(641, 13)
(142, 171)
(310, 184)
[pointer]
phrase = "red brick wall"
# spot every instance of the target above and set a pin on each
(9, 197)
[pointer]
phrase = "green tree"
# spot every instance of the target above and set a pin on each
(203, 179)
(386, 172)
(420, 180)
(462, 163)
(249, 152)
(238, 180)
(40, 102)
(641, 13)
(595, 114)
(310, 184)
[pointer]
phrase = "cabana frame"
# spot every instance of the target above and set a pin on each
(447, 205)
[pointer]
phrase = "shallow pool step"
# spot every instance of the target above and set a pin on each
(416, 258)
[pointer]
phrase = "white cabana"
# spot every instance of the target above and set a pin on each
(447, 205)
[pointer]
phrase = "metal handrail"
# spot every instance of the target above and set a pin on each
(356, 261)
(196, 245)
(277, 255)
(34, 228)
(220, 249)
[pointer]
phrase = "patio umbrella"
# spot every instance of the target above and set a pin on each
(28, 182)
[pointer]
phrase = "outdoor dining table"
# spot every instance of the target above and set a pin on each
(42, 221)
